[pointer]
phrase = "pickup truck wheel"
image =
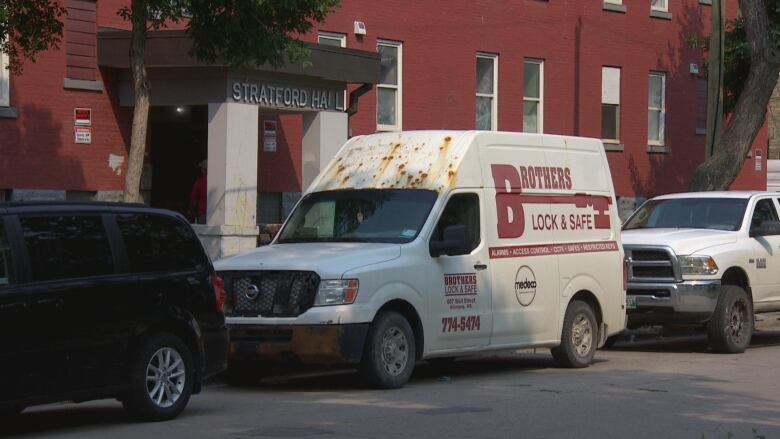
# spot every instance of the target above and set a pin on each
(578, 338)
(162, 375)
(389, 353)
(731, 326)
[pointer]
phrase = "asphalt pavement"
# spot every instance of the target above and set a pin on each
(647, 386)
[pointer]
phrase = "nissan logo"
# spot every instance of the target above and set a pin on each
(251, 292)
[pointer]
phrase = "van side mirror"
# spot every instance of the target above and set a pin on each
(767, 228)
(455, 242)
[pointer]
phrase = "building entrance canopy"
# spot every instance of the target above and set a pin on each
(235, 98)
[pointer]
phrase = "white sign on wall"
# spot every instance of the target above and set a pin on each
(83, 134)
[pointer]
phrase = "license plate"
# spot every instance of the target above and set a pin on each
(630, 302)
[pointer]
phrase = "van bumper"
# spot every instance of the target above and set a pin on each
(672, 303)
(305, 344)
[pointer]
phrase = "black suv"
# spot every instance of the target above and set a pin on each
(106, 301)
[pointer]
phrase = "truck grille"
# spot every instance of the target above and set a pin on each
(270, 293)
(648, 264)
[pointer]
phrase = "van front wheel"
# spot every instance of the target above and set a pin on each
(578, 338)
(389, 353)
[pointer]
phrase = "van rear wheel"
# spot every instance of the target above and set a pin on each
(162, 376)
(389, 354)
(579, 337)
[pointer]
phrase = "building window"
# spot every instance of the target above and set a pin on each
(701, 106)
(332, 39)
(656, 108)
(610, 104)
(487, 91)
(5, 81)
(388, 90)
(533, 96)
(659, 5)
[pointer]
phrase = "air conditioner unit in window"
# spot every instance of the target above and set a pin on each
(360, 28)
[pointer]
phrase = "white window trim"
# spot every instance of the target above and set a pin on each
(540, 99)
(619, 104)
(342, 38)
(5, 81)
(662, 121)
(665, 8)
(398, 88)
(494, 95)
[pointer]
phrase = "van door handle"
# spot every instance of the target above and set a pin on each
(480, 266)
(54, 303)
(12, 306)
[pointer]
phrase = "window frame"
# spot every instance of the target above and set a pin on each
(539, 100)
(772, 204)
(494, 96)
(336, 36)
(5, 81)
(665, 7)
(616, 140)
(481, 221)
(662, 119)
(398, 45)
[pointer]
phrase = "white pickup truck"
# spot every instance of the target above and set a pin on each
(709, 258)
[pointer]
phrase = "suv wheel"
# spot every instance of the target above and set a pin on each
(731, 326)
(161, 379)
(389, 354)
(578, 338)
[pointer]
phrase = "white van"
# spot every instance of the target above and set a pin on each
(417, 245)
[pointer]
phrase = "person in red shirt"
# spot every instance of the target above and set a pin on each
(198, 196)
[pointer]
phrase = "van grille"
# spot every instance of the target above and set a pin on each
(651, 264)
(270, 293)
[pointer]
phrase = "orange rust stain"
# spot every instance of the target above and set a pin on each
(424, 176)
(340, 169)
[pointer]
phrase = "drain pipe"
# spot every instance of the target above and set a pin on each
(355, 96)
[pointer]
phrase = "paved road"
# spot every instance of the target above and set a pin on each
(651, 387)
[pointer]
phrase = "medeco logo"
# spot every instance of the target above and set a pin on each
(525, 285)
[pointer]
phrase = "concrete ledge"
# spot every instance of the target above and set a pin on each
(664, 15)
(701, 131)
(660, 149)
(706, 2)
(82, 84)
(615, 8)
(9, 113)
(37, 195)
(618, 147)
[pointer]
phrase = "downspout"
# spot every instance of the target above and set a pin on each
(355, 96)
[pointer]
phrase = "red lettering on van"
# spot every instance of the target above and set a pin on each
(506, 203)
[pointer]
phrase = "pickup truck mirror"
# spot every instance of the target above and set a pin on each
(766, 228)
(454, 242)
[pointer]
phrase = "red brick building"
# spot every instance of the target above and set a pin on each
(619, 70)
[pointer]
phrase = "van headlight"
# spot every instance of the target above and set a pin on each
(697, 265)
(336, 292)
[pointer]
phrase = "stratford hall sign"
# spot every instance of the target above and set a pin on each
(287, 96)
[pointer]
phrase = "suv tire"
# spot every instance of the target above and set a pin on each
(390, 353)
(731, 325)
(579, 337)
(162, 375)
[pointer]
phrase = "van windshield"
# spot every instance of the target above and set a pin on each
(367, 215)
(689, 213)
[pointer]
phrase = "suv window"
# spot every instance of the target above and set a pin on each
(5, 257)
(764, 211)
(461, 209)
(159, 243)
(66, 246)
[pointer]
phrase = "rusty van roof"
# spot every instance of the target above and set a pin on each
(402, 160)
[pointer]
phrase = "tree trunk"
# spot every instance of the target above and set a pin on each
(720, 170)
(715, 77)
(141, 90)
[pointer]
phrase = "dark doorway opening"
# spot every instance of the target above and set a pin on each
(178, 143)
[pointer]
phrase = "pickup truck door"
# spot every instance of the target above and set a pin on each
(764, 259)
